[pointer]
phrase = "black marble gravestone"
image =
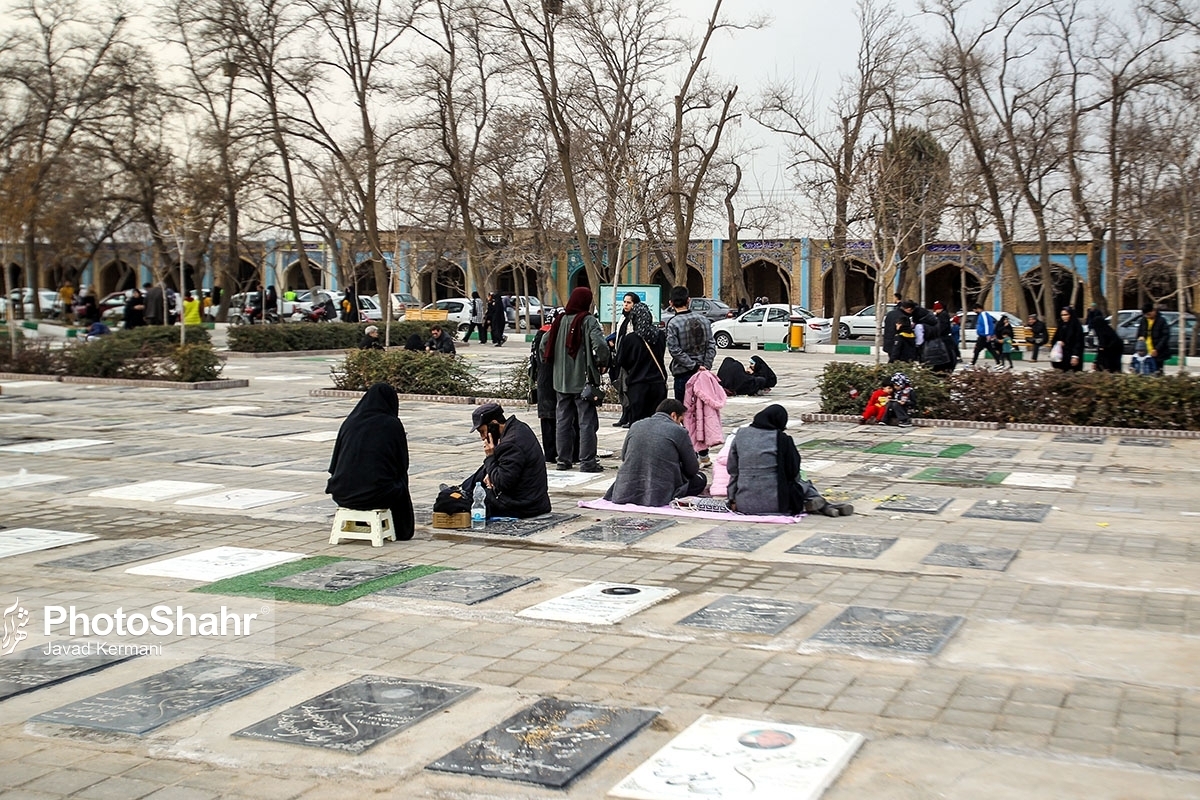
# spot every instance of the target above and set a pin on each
(1060, 454)
(837, 545)
(970, 556)
(125, 554)
(725, 537)
(915, 504)
(748, 614)
(1007, 434)
(340, 575)
(165, 697)
(1142, 441)
(884, 470)
(1079, 438)
(959, 475)
(27, 670)
(621, 530)
(520, 528)
(997, 453)
(458, 586)
(550, 743)
(901, 632)
(359, 714)
(1008, 511)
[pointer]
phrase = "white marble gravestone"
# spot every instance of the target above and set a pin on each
(153, 491)
(29, 540)
(721, 758)
(561, 480)
(599, 603)
(240, 498)
(50, 445)
(15, 417)
(1039, 480)
(215, 564)
(315, 436)
(24, 478)
(223, 409)
(817, 464)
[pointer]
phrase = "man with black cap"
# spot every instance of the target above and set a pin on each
(514, 467)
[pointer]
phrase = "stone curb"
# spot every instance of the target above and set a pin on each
(225, 383)
(1020, 426)
(441, 398)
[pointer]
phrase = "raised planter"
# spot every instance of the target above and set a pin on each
(224, 383)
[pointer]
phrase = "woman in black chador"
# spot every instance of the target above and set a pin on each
(369, 468)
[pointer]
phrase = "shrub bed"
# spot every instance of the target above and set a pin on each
(151, 353)
(293, 336)
(1125, 400)
(409, 372)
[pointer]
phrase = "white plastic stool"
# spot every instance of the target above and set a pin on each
(376, 525)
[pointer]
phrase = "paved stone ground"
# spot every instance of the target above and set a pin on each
(1074, 672)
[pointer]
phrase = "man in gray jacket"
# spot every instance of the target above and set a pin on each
(659, 463)
(689, 341)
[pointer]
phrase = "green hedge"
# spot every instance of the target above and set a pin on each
(150, 353)
(410, 373)
(1119, 400)
(294, 336)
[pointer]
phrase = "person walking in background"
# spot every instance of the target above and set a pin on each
(66, 301)
(1038, 335)
(135, 311)
(985, 334)
(350, 305)
(1066, 348)
(1156, 333)
(641, 357)
(191, 310)
(475, 321)
(1004, 342)
(497, 318)
(1109, 347)
(155, 304)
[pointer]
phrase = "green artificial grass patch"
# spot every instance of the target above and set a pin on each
(941, 475)
(254, 584)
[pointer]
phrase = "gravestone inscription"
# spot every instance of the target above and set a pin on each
(891, 630)
(748, 614)
(27, 670)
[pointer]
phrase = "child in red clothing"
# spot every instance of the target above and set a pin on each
(876, 406)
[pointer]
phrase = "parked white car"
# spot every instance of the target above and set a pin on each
(47, 298)
(760, 324)
(861, 323)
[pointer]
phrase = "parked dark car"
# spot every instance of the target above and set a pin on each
(1127, 330)
(713, 309)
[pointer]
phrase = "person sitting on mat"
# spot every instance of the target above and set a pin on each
(659, 463)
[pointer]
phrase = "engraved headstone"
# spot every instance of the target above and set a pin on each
(599, 603)
(915, 504)
(891, 630)
(521, 528)
(1058, 454)
(725, 537)
(884, 470)
(959, 475)
(837, 444)
(165, 697)
(839, 545)
(550, 743)
(920, 449)
(340, 575)
(458, 586)
(115, 556)
(216, 563)
(240, 498)
(1008, 510)
(998, 453)
(620, 530)
(27, 670)
(154, 491)
(970, 556)
(359, 714)
(1039, 480)
(723, 758)
(1142, 441)
(16, 541)
(748, 614)
(1079, 438)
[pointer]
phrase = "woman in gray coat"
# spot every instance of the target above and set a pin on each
(764, 471)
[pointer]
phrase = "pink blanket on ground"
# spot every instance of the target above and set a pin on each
(606, 505)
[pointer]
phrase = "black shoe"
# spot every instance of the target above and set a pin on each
(563, 466)
(844, 509)
(831, 510)
(591, 466)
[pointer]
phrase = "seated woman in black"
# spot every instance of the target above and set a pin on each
(369, 468)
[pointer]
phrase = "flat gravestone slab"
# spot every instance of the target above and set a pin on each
(208, 430)
(837, 444)
(970, 556)
(1004, 434)
(216, 563)
(621, 530)
(884, 470)
(316, 436)
(458, 586)
(521, 528)
(1039, 480)
(921, 449)
(312, 465)
(15, 541)
(724, 758)
(154, 491)
(115, 556)
(74, 485)
(549, 744)
(23, 478)
(320, 510)
(358, 715)
(269, 412)
(561, 480)
(1142, 441)
(890, 630)
(599, 603)
(1079, 438)
(53, 445)
(726, 537)
(240, 498)
(165, 697)
(10, 440)
(218, 410)
(174, 456)
(840, 545)
(450, 441)
(748, 614)
(959, 475)
(28, 670)
(915, 504)
(264, 434)
(119, 451)
(999, 453)
(1077, 456)
(1008, 511)
(243, 459)
(340, 575)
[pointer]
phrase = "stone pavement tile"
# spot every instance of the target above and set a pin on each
(58, 756)
(23, 794)
(117, 788)
(64, 781)
(110, 763)
(261, 787)
(182, 793)
(18, 773)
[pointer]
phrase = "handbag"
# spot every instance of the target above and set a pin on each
(1056, 353)
(592, 391)
(936, 352)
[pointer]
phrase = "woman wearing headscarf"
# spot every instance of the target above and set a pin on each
(764, 471)
(1109, 347)
(369, 468)
(1070, 334)
(640, 351)
(576, 352)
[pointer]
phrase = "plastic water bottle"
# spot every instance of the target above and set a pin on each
(479, 508)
